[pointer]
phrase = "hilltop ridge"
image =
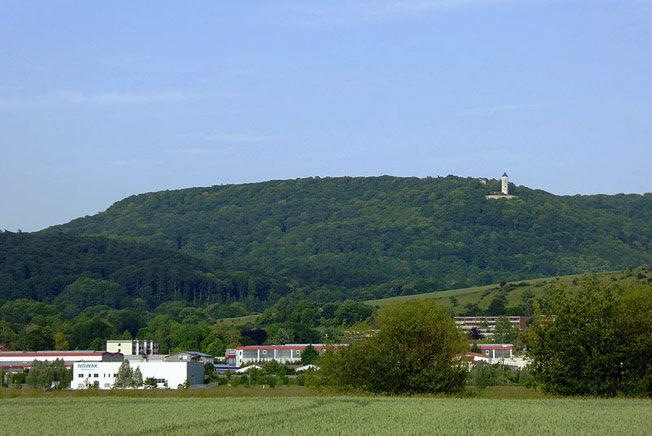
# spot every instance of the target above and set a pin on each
(373, 237)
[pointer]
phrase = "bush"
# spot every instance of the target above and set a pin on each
(414, 352)
(481, 375)
(595, 341)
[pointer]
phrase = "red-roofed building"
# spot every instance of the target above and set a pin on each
(18, 360)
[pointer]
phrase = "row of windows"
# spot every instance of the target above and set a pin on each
(97, 375)
(158, 380)
(269, 354)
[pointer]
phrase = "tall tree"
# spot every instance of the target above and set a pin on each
(415, 351)
(594, 341)
(505, 332)
(137, 377)
(125, 376)
(309, 355)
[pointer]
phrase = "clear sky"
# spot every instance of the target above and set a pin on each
(101, 100)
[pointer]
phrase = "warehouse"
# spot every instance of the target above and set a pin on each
(283, 354)
(166, 374)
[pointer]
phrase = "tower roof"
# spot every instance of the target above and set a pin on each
(505, 175)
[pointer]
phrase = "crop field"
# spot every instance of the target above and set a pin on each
(322, 416)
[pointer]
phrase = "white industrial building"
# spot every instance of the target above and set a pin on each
(290, 353)
(166, 374)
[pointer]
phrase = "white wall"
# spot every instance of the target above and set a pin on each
(175, 373)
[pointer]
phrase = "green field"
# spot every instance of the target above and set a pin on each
(98, 415)
(482, 295)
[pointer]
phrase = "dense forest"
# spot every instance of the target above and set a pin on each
(78, 272)
(375, 237)
(305, 253)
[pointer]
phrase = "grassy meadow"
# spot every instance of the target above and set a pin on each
(482, 295)
(325, 415)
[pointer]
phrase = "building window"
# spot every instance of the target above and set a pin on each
(81, 375)
(96, 375)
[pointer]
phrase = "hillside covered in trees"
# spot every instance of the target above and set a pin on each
(77, 272)
(374, 237)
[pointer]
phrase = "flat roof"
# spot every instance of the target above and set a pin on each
(284, 347)
(495, 346)
(52, 353)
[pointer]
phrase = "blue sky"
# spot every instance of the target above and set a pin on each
(101, 100)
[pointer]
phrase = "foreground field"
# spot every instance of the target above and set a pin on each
(322, 416)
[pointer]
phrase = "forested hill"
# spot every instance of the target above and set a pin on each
(382, 236)
(77, 272)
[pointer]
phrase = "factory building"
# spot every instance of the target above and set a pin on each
(283, 354)
(166, 374)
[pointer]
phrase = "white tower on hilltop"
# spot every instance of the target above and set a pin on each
(504, 187)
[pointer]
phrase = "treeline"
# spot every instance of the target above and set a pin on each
(78, 272)
(31, 325)
(590, 339)
(375, 237)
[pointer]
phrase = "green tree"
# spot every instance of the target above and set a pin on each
(505, 332)
(594, 341)
(351, 312)
(60, 342)
(150, 383)
(45, 375)
(497, 306)
(309, 355)
(137, 378)
(481, 375)
(124, 379)
(283, 336)
(414, 352)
